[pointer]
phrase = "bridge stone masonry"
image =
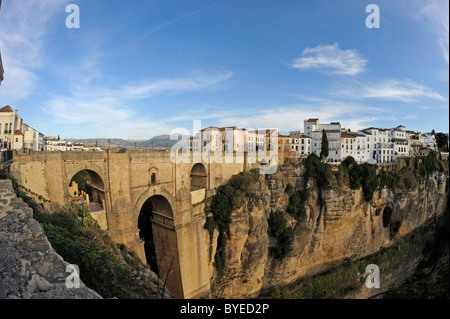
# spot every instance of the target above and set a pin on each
(151, 203)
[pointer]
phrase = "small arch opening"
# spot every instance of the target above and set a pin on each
(86, 186)
(198, 177)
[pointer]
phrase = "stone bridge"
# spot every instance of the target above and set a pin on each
(150, 203)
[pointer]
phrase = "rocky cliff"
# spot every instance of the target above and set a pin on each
(335, 224)
(29, 266)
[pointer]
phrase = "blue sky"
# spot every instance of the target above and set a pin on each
(138, 69)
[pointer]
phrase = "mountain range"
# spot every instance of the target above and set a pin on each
(156, 141)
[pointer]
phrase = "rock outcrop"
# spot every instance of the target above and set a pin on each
(29, 267)
(343, 227)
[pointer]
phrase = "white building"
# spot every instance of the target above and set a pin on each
(386, 145)
(314, 129)
(56, 144)
(15, 134)
(33, 139)
(11, 127)
(401, 141)
(429, 141)
(227, 139)
(300, 143)
(372, 145)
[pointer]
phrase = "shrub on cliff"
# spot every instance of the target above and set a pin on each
(362, 175)
(284, 235)
(229, 197)
(296, 204)
(277, 224)
(289, 189)
(369, 181)
(79, 242)
(318, 171)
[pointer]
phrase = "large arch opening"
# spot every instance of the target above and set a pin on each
(157, 230)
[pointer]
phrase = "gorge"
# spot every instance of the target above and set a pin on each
(269, 236)
(309, 218)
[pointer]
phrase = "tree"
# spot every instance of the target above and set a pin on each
(442, 141)
(324, 147)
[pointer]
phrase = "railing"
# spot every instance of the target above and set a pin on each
(385, 145)
(6, 158)
(163, 220)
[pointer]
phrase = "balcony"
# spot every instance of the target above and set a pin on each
(384, 145)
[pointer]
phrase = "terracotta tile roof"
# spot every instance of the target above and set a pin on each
(348, 135)
(6, 108)
(18, 132)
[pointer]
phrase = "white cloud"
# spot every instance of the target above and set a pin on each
(390, 90)
(112, 112)
(331, 59)
(197, 81)
(436, 13)
(25, 24)
(290, 117)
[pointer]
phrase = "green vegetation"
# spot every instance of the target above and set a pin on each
(296, 207)
(431, 279)
(360, 175)
(337, 282)
(219, 258)
(407, 174)
(105, 266)
(83, 180)
(228, 197)
(21, 194)
(318, 171)
(324, 146)
(73, 235)
(442, 142)
(284, 235)
(289, 189)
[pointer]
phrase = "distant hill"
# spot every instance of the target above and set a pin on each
(156, 141)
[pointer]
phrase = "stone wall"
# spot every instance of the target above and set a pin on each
(29, 267)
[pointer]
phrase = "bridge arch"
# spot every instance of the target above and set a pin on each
(157, 231)
(93, 186)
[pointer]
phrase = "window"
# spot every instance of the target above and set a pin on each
(17, 139)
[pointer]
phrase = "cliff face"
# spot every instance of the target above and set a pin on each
(343, 226)
(29, 266)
